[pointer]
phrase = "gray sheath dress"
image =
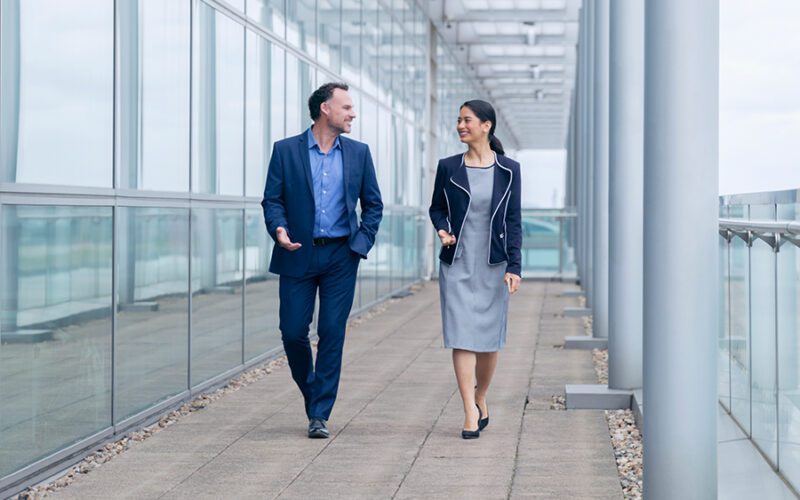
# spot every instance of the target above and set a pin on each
(473, 295)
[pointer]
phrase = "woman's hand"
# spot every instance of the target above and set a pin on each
(512, 282)
(447, 238)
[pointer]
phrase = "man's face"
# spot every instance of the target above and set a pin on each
(339, 111)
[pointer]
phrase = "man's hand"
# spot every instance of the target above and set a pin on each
(447, 238)
(284, 241)
(512, 282)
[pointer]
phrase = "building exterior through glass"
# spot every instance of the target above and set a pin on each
(134, 141)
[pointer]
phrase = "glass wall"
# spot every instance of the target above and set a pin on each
(132, 245)
(760, 314)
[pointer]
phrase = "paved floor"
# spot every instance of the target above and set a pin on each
(396, 426)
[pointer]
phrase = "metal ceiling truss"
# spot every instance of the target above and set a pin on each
(523, 54)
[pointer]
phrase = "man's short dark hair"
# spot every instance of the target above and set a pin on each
(321, 95)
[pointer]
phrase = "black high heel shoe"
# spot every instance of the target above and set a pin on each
(465, 434)
(482, 422)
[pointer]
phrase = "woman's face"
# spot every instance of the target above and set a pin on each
(470, 129)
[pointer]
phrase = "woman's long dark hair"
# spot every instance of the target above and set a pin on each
(484, 111)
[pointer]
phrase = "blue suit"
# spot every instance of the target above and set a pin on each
(329, 266)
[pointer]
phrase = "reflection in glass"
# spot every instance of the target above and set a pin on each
(55, 329)
(351, 41)
(219, 102)
(299, 86)
(270, 14)
(261, 295)
(788, 352)
(259, 96)
(330, 34)
(152, 336)
(740, 325)
(154, 94)
(301, 25)
(216, 292)
(370, 39)
(723, 338)
(278, 90)
(763, 345)
(56, 103)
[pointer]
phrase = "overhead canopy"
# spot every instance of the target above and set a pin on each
(523, 54)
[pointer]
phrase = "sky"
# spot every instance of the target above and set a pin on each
(759, 102)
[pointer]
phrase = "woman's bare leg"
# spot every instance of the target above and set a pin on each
(464, 363)
(485, 364)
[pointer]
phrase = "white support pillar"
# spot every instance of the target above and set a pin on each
(600, 174)
(588, 152)
(625, 194)
(681, 248)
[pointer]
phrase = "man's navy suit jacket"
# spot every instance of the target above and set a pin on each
(289, 200)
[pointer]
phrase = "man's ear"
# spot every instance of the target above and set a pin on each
(324, 108)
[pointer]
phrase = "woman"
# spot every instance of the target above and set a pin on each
(476, 211)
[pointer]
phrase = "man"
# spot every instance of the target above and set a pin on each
(313, 184)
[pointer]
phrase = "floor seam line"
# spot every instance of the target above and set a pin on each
(422, 445)
(530, 384)
(354, 416)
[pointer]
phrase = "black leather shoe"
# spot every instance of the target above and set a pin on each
(482, 422)
(465, 434)
(318, 429)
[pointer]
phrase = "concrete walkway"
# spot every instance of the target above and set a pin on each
(396, 425)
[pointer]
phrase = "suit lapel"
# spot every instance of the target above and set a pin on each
(303, 151)
(501, 181)
(460, 177)
(347, 164)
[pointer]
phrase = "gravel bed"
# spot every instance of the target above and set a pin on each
(110, 450)
(625, 436)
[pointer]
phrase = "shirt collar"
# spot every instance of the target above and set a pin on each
(312, 141)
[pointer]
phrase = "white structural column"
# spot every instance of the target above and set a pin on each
(681, 248)
(586, 277)
(625, 192)
(600, 176)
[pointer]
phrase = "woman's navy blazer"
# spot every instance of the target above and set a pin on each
(450, 206)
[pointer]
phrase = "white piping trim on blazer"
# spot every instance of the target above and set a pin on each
(447, 200)
(503, 235)
(469, 202)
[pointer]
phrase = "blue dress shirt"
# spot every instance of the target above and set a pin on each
(327, 174)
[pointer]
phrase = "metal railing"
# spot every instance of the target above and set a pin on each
(759, 337)
(548, 243)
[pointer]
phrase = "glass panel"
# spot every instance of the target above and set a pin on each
(236, 4)
(330, 34)
(298, 90)
(55, 329)
(368, 268)
(763, 342)
(153, 303)
(370, 38)
(724, 337)
(56, 119)
(261, 296)
(270, 14)
(383, 253)
(383, 162)
(154, 94)
(789, 352)
(301, 25)
(351, 41)
(219, 102)
(740, 325)
(278, 103)
(216, 292)
(383, 57)
(259, 96)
